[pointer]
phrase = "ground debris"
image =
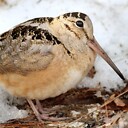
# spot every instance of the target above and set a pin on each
(86, 108)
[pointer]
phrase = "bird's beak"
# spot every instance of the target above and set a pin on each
(93, 44)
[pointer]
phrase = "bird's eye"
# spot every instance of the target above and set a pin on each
(79, 23)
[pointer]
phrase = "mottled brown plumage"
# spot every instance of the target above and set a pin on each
(45, 57)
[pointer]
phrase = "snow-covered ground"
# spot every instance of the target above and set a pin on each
(109, 19)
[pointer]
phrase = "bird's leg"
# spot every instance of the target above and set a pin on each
(36, 112)
(47, 110)
(43, 114)
(46, 113)
(40, 108)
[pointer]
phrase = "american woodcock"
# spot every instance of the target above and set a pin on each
(45, 57)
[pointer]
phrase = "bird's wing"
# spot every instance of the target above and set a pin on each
(26, 48)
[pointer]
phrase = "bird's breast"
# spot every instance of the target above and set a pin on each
(62, 74)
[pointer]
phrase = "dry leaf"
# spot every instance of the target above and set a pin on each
(119, 102)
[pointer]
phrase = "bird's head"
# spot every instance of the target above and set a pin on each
(72, 27)
(75, 30)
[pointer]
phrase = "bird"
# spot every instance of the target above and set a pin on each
(47, 56)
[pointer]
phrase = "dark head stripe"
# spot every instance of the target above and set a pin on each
(76, 15)
(66, 15)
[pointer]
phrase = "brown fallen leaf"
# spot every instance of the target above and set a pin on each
(116, 101)
(119, 102)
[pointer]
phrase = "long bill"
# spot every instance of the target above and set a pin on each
(97, 48)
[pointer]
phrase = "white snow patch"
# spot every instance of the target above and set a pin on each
(9, 110)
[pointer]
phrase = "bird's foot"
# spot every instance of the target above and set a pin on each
(46, 113)
(50, 117)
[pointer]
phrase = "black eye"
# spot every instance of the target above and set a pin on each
(79, 23)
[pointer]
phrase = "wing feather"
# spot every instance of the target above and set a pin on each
(26, 48)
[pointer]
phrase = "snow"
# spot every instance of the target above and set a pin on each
(109, 19)
(7, 109)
